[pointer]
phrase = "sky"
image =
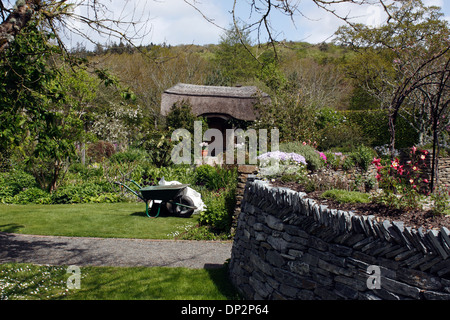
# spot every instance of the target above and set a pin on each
(175, 22)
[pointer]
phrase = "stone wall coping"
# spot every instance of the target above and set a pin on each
(427, 241)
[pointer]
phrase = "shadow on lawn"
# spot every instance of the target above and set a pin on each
(153, 211)
(11, 227)
(219, 275)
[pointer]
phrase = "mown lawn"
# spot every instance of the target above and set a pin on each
(119, 220)
(31, 282)
(104, 220)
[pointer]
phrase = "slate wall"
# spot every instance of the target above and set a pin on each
(286, 246)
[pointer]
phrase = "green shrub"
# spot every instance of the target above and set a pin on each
(107, 197)
(76, 193)
(343, 135)
(203, 174)
(215, 178)
(15, 181)
(86, 172)
(131, 155)
(159, 147)
(361, 157)
(327, 117)
(219, 209)
(312, 157)
(183, 174)
(5, 189)
(32, 195)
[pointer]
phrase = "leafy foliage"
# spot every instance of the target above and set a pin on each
(313, 159)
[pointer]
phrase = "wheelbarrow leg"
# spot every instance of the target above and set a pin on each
(147, 209)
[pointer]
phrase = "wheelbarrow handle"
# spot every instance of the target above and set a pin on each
(135, 183)
(131, 190)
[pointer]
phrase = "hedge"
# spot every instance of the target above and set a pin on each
(374, 125)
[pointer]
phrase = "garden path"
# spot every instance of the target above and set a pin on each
(54, 250)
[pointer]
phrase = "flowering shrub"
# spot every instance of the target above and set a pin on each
(283, 156)
(402, 184)
(280, 163)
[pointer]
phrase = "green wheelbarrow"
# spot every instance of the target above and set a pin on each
(172, 197)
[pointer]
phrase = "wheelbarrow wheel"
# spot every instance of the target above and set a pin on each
(182, 207)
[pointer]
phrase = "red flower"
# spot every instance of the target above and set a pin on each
(376, 161)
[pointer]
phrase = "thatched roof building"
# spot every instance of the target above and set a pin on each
(215, 101)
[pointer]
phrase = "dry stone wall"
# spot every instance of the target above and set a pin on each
(287, 246)
(444, 172)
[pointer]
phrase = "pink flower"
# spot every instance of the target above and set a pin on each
(323, 156)
(413, 150)
(425, 180)
(395, 164)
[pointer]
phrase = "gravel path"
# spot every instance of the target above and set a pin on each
(53, 250)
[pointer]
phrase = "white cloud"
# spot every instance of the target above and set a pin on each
(175, 22)
(170, 21)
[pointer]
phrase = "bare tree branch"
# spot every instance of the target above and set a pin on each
(65, 17)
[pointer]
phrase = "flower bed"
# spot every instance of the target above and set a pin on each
(401, 193)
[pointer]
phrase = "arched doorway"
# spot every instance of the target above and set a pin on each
(221, 122)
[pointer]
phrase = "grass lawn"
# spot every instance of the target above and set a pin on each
(119, 220)
(105, 220)
(31, 282)
(344, 196)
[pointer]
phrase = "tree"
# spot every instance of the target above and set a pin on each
(57, 16)
(33, 116)
(234, 57)
(437, 98)
(400, 57)
(45, 104)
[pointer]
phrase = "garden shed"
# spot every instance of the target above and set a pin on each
(220, 105)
